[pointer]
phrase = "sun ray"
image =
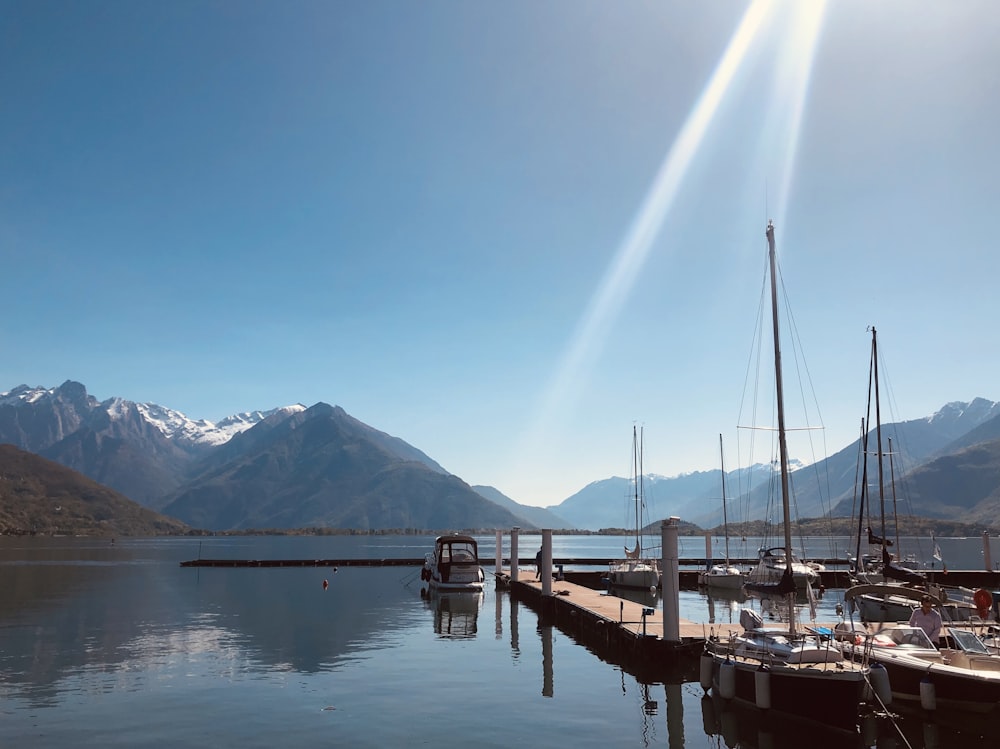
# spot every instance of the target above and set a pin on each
(793, 74)
(598, 318)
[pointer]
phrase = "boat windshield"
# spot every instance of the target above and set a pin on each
(458, 551)
(912, 637)
(968, 642)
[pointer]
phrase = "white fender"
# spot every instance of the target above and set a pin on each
(705, 672)
(928, 699)
(762, 686)
(727, 680)
(879, 680)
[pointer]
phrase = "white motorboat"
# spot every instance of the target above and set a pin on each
(454, 564)
(959, 681)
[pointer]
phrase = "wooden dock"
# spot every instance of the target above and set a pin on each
(607, 610)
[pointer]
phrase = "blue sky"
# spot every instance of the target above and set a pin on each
(503, 232)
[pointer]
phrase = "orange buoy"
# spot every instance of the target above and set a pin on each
(983, 600)
(326, 584)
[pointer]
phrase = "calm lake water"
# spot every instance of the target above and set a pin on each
(107, 644)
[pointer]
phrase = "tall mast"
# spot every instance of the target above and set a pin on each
(863, 442)
(895, 512)
(782, 445)
(635, 470)
(878, 436)
(725, 517)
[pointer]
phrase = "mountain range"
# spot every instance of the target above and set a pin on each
(303, 467)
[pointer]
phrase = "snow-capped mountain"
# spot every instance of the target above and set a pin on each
(176, 426)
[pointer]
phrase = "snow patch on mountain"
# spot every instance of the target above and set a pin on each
(177, 426)
(24, 394)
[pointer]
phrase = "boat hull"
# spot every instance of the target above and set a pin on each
(956, 691)
(823, 693)
(722, 581)
(634, 577)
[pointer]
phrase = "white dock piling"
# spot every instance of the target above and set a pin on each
(670, 580)
(499, 555)
(546, 564)
(513, 553)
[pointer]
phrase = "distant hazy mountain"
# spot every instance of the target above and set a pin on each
(824, 487)
(537, 517)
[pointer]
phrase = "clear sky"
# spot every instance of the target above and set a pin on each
(503, 232)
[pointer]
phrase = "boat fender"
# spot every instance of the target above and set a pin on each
(705, 672)
(727, 680)
(928, 700)
(326, 584)
(878, 677)
(762, 687)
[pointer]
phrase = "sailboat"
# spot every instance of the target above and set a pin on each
(784, 669)
(636, 571)
(883, 589)
(723, 576)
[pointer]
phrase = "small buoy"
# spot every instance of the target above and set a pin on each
(326, 584)
(705, 672)
(928, 699)
(727, 680)
(762, 687)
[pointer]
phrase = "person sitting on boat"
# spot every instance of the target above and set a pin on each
(927, 619)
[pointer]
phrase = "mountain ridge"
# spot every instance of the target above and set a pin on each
(159, 457)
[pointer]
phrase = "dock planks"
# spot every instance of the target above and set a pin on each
(622, 612)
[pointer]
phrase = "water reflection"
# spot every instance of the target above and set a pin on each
(649, 597)
(732, 724)
(724, 606)
(64, 623)
(456, 615)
